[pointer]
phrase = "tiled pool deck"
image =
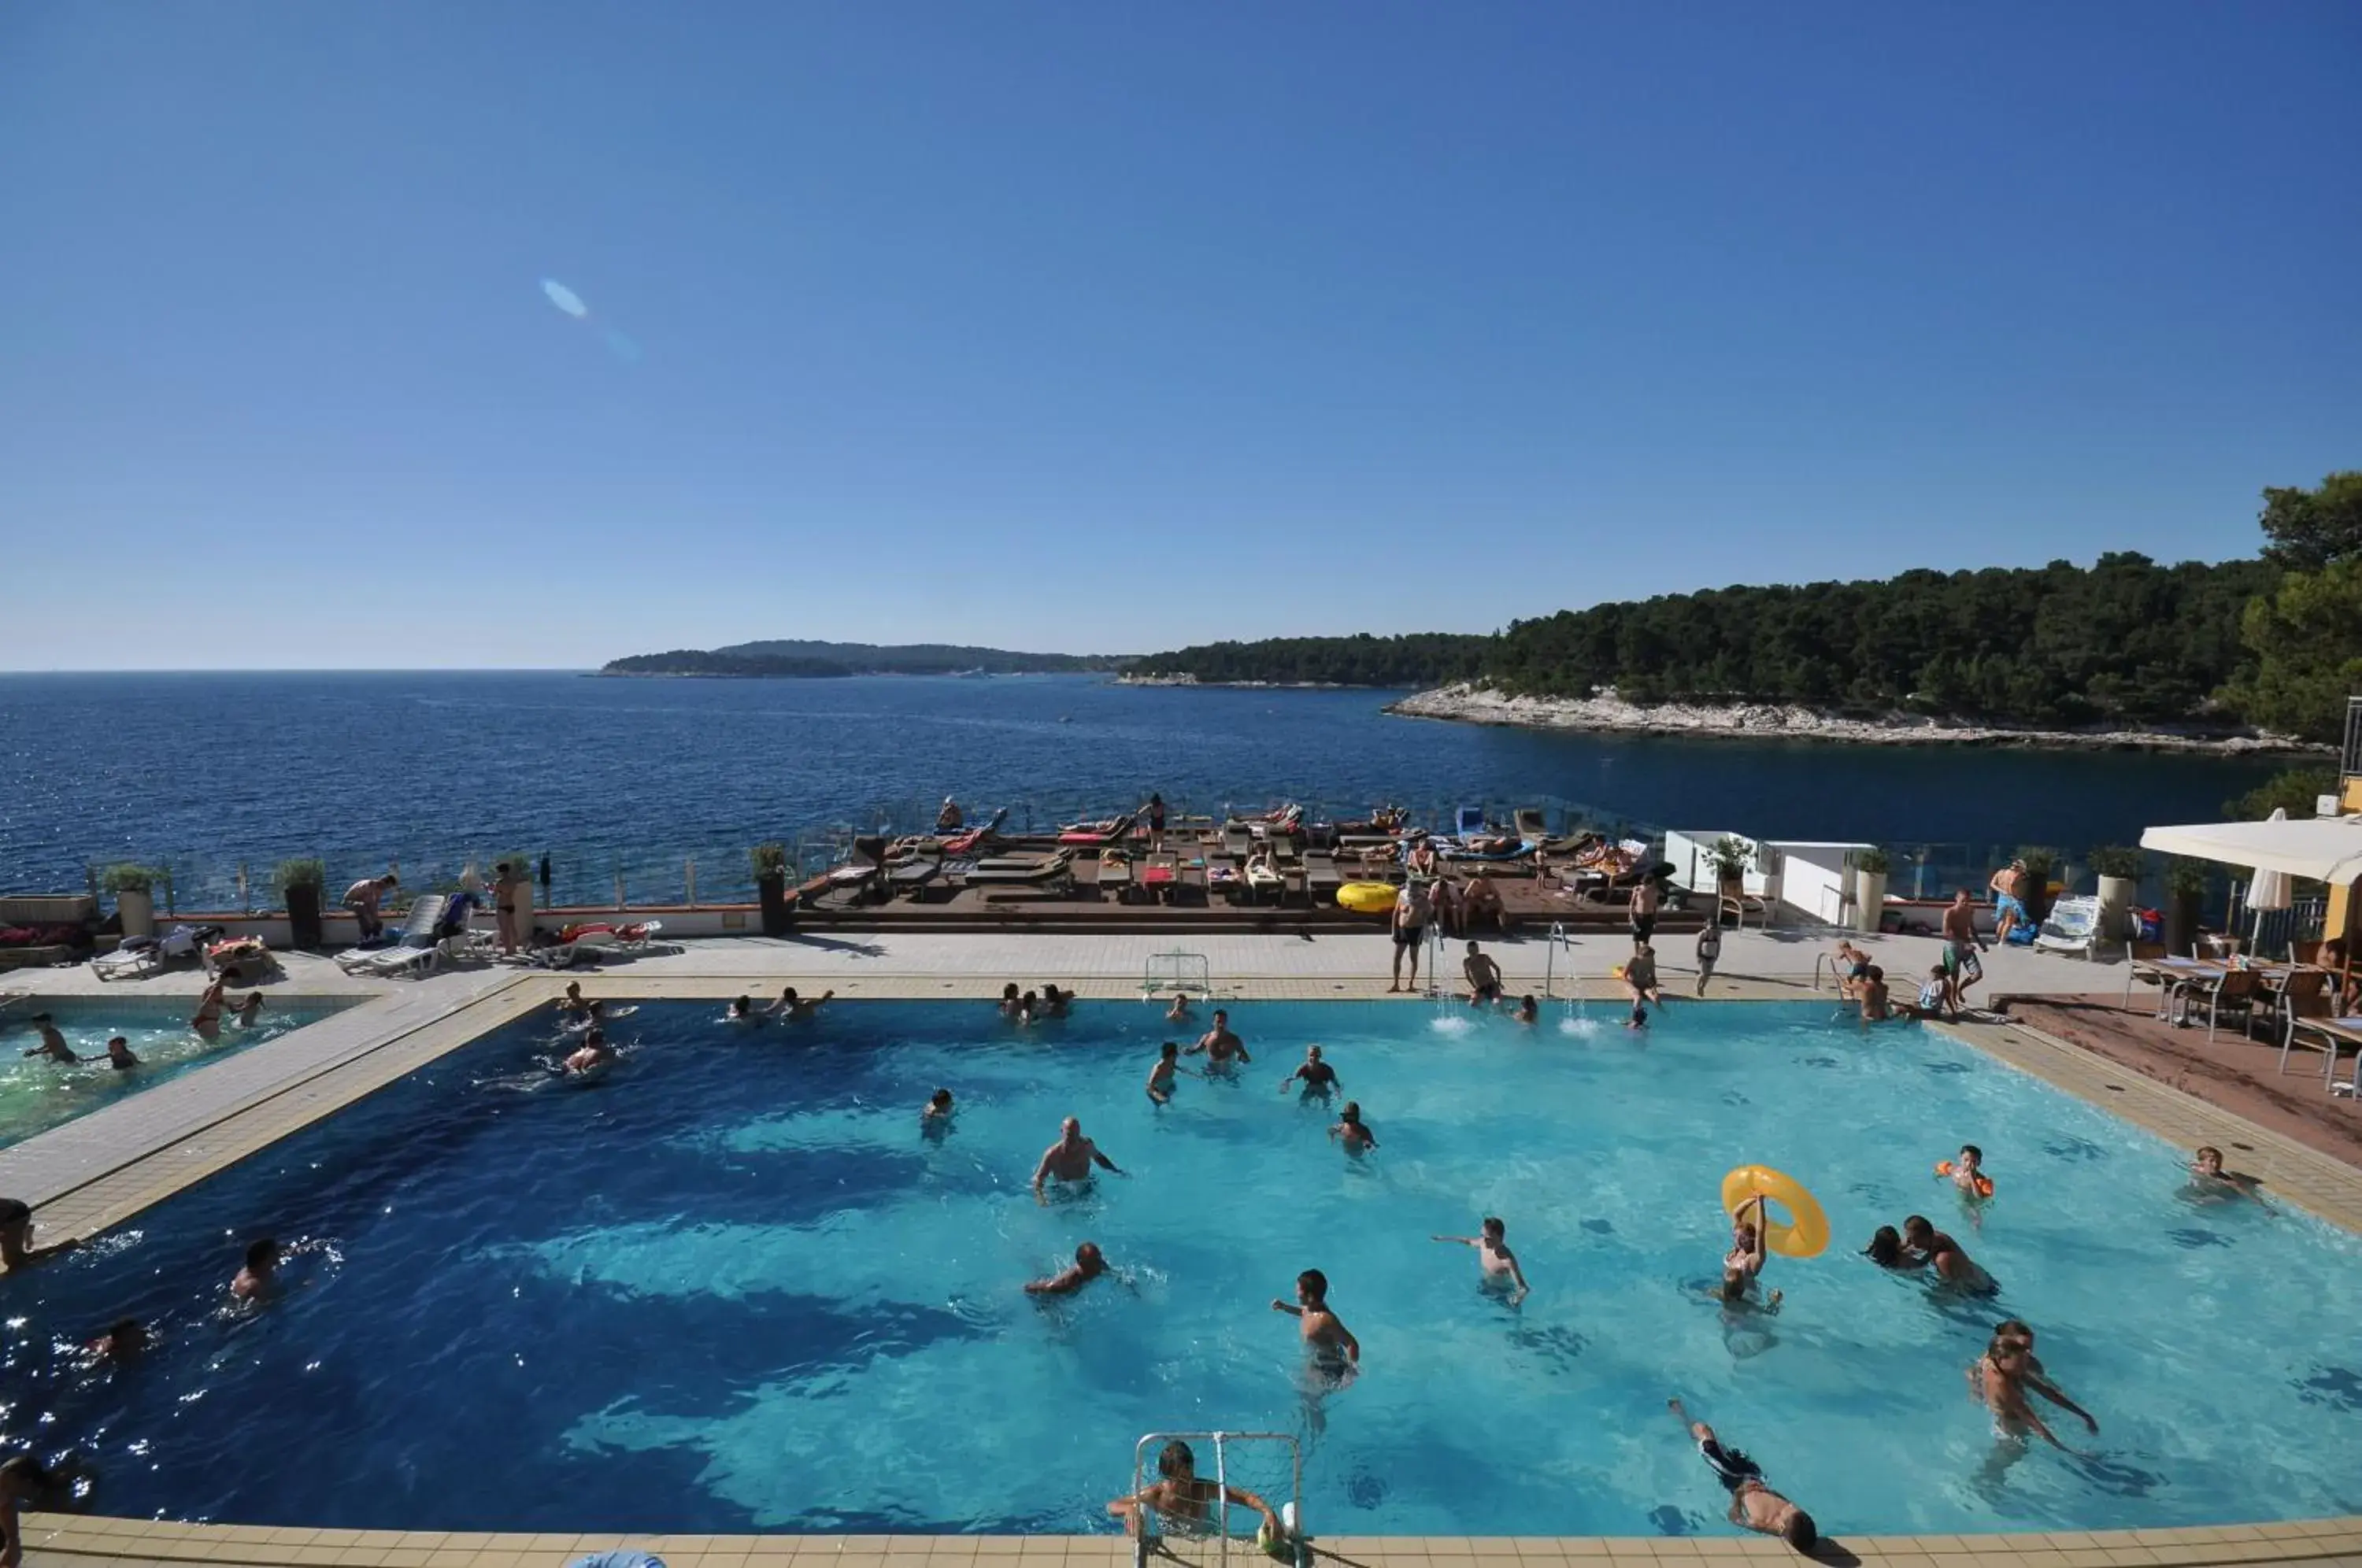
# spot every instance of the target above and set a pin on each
(97, 1171)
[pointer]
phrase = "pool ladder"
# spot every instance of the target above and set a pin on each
(1558, 941)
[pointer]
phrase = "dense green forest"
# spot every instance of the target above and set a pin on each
(1422, 658)
(2275, 641)
(797, 657)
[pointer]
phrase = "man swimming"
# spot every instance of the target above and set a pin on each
(125, 1338)
(743, 1011)
(1316, 1076)
(1753, 1505)
(1070, 1159)
(1160, 1077)
(1334, 1346)
(937, 1111)
(571, 1004)
(1940, 1251)
(2013, 1341)
(1219, 1046)
(258, 1279)
(795, 1008)
(53, 1044)
(1178, 1495)
(1494, 1256)
(2209, 1180)
(594, 1055)
(119, 1056)
(1352, 1131)
(1087, 1266)
(1483, 977)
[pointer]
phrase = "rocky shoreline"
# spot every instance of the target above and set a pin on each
(1607, 714)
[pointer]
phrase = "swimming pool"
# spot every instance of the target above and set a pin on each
(732, 1287)
(37, 1095)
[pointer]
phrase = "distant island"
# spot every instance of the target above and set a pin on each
(795, 658)
(2256, 654)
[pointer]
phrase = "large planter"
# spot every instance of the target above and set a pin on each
(521, 895)
(137, 906)
(303, 916)
(778, 914)
(2117, 897)
(1870, 900)
(2182, 916)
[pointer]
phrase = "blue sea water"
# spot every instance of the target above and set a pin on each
(38, 1093)
(205, 772)
(732, 1287)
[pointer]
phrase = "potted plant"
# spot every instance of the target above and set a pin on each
(300, 882)
(2185, 893)
(134, 888)
(2118, 869)
(1732, 858)
(771, 887)
(1870, 868)
(2040, 864)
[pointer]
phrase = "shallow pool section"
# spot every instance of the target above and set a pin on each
(36, 1094)
(734, 1287)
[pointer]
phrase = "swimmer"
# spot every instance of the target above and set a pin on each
(1070, 1159)
(1494, 1256)
(1087, 1266)
(1180, 1498)
(1219, 1046)
(2014, 1338)
(2000, 1380)
(571, 1004)
(247, 1008)
(795, 1010)
(257, 1280)
(1966, 1173)
(206, 1019)
(1352, 1131)
(1749, 1252)
(1953, 1267)
(1876, 1007)
(1028, 1008)
(124, 1338)
(937, 1111)
(1850, 962)
(1528, 1012)
(1054, 1002)
(17, 1251)
(1483, 977)
(53, 1044)
(119, 1056)
(1009, 1000)
(1885, 1250)
(743, 1011)
(1317, 1075)
(1160, 1077)
(1753, 1505)
(1640, 977)
(1334, 1346)
(1639, 1018)
(2208, 1180)
(1179, 1011)
(594, 1054)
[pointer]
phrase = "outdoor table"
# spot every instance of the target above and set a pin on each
(2172, 975)
(2337, 1033)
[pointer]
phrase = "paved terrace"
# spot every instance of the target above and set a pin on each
(97, 1171)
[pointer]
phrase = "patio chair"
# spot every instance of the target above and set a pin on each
(2136, 954)
(2071, 926)
(418, 929)
(2305, 1032)
(2237, 988)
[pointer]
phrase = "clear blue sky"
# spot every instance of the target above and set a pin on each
(1113, 328)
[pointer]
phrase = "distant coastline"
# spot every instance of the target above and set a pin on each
(1469, 704)
(1185, 679)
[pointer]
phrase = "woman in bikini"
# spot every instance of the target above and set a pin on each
(207, 1019)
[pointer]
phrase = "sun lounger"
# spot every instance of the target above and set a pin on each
(1264, 879)
(2071, 926)
(912, 875)
(1115, 874)
(418, 931)
(1321, 879)
(1112, 831)
(1057, 868)
(152, 954)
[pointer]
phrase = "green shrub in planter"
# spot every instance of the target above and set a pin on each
(2116, 860)
(1873, 860)
(311, 873)
(2186, 878)
(127, 877)
(770, 859)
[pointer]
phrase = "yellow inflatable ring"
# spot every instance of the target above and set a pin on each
(1805, 1233)
(1366, 898)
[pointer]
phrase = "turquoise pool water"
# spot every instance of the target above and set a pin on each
(732, 1287)
(37, 1095)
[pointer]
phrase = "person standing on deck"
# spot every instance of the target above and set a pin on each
(507, 878)
(1961, 948)
(1409, 929)
(1155, 821)
(1647, 900)
(363, 899)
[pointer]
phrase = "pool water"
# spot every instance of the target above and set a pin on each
(732, 1287)
(37, 1095)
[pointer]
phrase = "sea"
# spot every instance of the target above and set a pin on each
(643, 786)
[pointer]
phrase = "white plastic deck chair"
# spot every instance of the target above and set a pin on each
(418, 932)
(2073, 926)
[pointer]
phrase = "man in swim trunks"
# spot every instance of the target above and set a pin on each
(1181, 1497)
(206, 1019)
(1070, 1159)
(1875, 1007)
(1317, 1075)
(119, 1056)
(507, 878)
(259, 1278)
(1409, 926)
(1753, 1505)
(2013, 1340)
(593, 1054)
(363, 898)
(1352, 1131)
(1155, 821)
(1640, 977)
(1161, 1077)
(1647, 900)
(2009, 887)
(2208, 1180)
(53, 1044)
(1942, 1253)
(1219, 1046)
(795, 1010)
(1494, 1257)
(1334, 1346)
(571, 1004)
(1087, 1266)
(16, 1248)
(1483, 977)
(1961, 946)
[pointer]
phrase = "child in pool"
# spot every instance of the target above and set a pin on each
(1180, 1498)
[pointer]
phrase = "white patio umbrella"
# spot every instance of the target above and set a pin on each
(2269, 890)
